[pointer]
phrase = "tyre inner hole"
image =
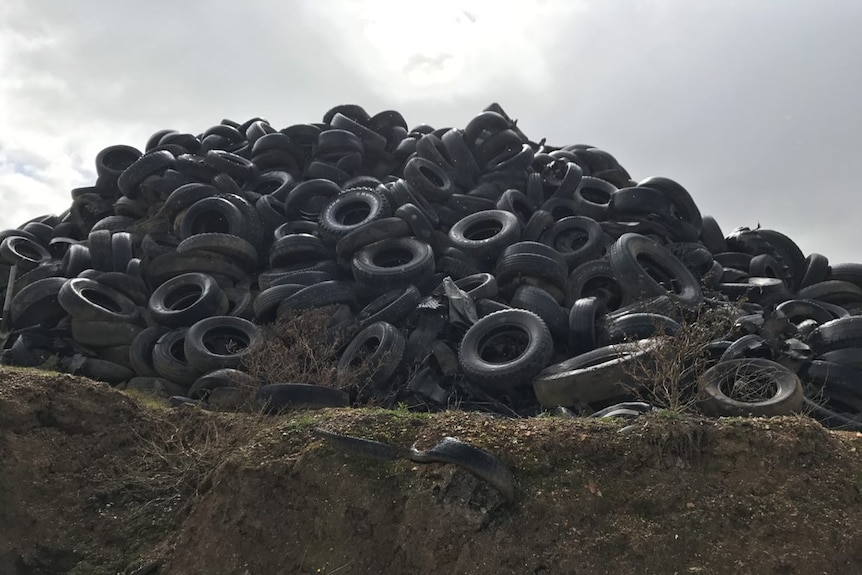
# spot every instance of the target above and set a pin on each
(210, 222)
(749, 384)
(226, 341)
(596, 196)
(266, 188)
(178, 351)
(432, 176)
(562, 211)
(392, 258)
(659, 273)
(365, 351)
(96, 297)
(503, 345)
(571, 241)
(483, 230)
(119, 160)
(183, 297)
(28, 252)
(606, 289)
(352, 213)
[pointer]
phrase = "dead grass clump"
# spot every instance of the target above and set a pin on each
(298, 348)
(177, 455)
(667, 376)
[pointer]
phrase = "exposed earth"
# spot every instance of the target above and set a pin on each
(96, 481)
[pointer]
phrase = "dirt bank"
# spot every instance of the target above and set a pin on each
(94, 481)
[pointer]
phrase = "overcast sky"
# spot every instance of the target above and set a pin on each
(754, 106)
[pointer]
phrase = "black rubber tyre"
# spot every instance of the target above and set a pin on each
(169, 358)
(237, 167)
(837, 334)
(816, 270)
(583, 323)
(371, 232)
(23, 252)
(102, 370)
(172, 265)
(237, 249)
(104, 333)
(121, 251)
(317, 295)
(376, 352)
(428, 327)
(213, 215)
(636, 326)
(266, 303)
(540, 222)
(351, 210)
(101, 253)
(592, 198)
(141, 350)
(87, 299)
(711, 236)
(636, 259)
(393, 263)
(420, 227)
(391, 307)
(484, 235)
(113, 161)
(838, 292)
(220, 342)
(428, 179)
(637, 202)
(850, 357)
(517, 203)
(297, 249)
(308, 198)
(37, 304)
(598, 376)
(186, 299)
(595, 279)
(480, 285)
(505, 349)
(152, 163)
(835, 378)
(781, 386)
(747, 346)
(829, 418)
(543, 305)
(577, 238)
(683, 205)
(275, 398)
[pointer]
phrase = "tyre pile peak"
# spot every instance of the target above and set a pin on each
(160, 275)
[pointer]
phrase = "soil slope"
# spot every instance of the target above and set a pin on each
(95, 481)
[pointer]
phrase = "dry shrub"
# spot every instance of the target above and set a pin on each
(668, 374)
(177, 455)
(298, 349)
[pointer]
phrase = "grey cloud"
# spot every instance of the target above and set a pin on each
(749, 105)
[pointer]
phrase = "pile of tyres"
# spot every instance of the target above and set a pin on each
(471, 267)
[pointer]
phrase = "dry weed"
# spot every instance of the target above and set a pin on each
(668, 375)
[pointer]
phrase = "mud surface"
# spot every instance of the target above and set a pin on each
(95, 481)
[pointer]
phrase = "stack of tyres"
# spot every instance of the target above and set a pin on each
(474, 266)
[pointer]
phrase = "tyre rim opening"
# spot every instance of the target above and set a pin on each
(26, 251)
(483, 230)
(604, 288)
(393, 258)
(177, 350)
(660, 273)
(364, 352)
(101, 300)
(183, 297)
(749, 383)
(596, 196)
(352, 213)
(226, 341)
(210, 222)
(503, 345)
(571, 241)
(432, 176)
